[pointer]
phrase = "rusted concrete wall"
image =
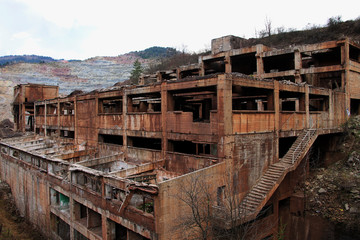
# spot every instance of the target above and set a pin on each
(245, 122)
(86, 125)
(30, 191)
(252, 154)
(354, 83)
(171, 211)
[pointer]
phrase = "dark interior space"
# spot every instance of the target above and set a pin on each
(285, 144)
(113, 139)
(140, 142)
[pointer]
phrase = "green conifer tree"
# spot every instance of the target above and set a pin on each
(136, 72)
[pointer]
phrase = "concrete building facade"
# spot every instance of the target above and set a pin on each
(117, 163)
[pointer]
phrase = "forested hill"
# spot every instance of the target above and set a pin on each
(5, 60)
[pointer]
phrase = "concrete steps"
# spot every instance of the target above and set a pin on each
(257, 197)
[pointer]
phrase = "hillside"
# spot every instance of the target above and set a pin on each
(5, 60)
(333, 193)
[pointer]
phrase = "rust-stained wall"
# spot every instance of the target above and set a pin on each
(253, 153)
(168, 205)
(85, 124)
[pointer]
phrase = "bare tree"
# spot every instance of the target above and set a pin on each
(195, 194)
(203, 218)
(268, 26)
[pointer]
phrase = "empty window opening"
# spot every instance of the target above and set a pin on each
(79, 236)
(355, 106)
(149, 143)
(40, 110)
(67, 108)
(67, 134)
(58, 226)
(51, 109)
(279, 63)
(199, 101)
(318, 103)
(354, 53)
(285, 78)
(330, 80)
(59, 200)
(215, 65)
(117, 231)
(321, 58)
(285, 144)
(80, 212)
(146, 205)
(94, 222)
(113, 139)
(51, 132)
(114, 193)
(91, 182)
(292, 101)
(167, 75)
(149, 102)
(189, 73)
(189, 147)
(256, 99)
(111, 105)
(88, 218)
(244, 63)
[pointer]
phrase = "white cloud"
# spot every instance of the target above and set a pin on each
(86, 28)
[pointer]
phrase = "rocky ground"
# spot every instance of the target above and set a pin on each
(334, 193)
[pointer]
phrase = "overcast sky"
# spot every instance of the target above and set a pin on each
(80, 29)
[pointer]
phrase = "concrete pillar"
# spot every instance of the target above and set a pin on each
(45, 130)
(298, 65)
(124, 126)
(259, 60)
(58, 118)
(307, 109)
(202, 67)
(227, 61)
(224, 113)
(167, 103)
(75, 121)
(345, 77)
(277, 124)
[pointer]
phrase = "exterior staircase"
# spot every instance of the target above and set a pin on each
(262, 191)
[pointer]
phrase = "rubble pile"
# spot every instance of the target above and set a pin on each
(334, 193)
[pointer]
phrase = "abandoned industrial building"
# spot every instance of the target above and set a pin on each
(114, 163)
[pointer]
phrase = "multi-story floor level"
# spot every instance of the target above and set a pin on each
(118, 163)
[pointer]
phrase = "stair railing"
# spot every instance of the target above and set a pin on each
(300, 147)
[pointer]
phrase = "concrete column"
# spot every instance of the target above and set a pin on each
(277, 106)
(345, 77)
(97, 116)
(331, 109)
(45, 130)
(124, 126)
(75, 121)
(298, 65)
(259, 60)
(164, 109)
(277, 124)
(224, 113)
(58, 118)
(228, 67)
(35, 118)
(202, 68)
(307, 110)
